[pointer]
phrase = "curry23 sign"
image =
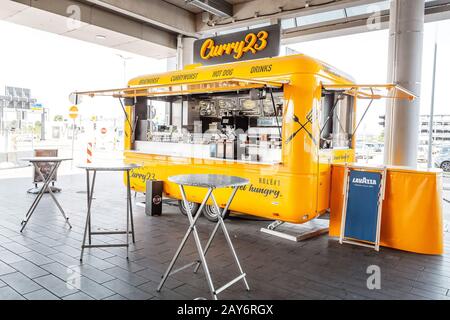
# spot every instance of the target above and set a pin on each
(245, 45)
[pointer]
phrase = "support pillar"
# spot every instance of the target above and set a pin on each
(43, 123)
(185, 51)
(406, 33)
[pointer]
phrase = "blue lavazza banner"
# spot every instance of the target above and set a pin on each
(362, 205)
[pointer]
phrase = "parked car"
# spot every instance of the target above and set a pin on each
(442, 159)
(368, 150)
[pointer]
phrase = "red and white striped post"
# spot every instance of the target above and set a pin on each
(90, 149)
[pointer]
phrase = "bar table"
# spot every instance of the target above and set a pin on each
(54, 163)
(116, 167)
(210, 182)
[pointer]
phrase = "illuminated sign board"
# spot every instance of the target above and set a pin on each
(245, 45)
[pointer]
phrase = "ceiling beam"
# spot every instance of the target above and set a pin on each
(83, 21)
(258, 11)
(155, 12)
(440, 10)
(220, 8)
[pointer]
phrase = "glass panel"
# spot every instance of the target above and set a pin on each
(259, 25)
(343, 122)
(288, 23)
(336, 120)
(231, 30)
(367, 9)
(321, 17)
(240, 127)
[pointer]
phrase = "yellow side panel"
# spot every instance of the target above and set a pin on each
(412, 210)
(127, 129)
(272, 192)
(323, 201)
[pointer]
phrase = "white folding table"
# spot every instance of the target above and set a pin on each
(54, 163)
(115, 167)
(210, 182)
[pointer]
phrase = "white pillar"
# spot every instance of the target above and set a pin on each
(185, 51)
(405, 69)
(172, 64)
(188, 51)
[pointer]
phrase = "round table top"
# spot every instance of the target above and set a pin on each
(208, 180)
(114, 166)
(45, 159)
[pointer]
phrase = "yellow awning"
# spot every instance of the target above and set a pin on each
(373, 91)
(183, 89)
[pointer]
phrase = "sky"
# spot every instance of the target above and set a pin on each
(365, 57)
(52, 66)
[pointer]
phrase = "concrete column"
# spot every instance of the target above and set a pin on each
(43, 123)
(185, 51)
(405, 69)
(188, 51)
(172, 64)
(1, 120)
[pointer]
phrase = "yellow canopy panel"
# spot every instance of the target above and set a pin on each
(375, 91)
(183, 89)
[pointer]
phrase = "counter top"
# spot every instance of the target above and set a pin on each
(208, 180)
(118, 166)
(390, 168)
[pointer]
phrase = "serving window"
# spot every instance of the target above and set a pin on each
(336, 120)
(242, 126)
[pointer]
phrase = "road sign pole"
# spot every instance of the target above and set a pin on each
(73, 142)
(73, 114)
(43, 123)
(433, 97)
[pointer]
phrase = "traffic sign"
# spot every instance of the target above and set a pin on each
(37, 106)
(73, 112)
(104, 131)
(75, 98)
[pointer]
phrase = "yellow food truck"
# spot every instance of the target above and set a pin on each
(280, 122)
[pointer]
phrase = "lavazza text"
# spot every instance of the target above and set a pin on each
(245, 309)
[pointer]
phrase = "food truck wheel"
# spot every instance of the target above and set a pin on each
(193, 206)
(210, 213)
(445, 166)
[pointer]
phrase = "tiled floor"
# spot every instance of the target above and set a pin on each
(43, 262)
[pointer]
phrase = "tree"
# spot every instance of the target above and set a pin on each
(37, 127)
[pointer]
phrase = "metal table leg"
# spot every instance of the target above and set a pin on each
(88, 232)
(37, 198)
(198, 243)
(202, 252)
(213, 234)
(90, 194)
(53, 195)
(230, 244)
(130, 204)
(128, 214)
(40, 195)
(186, 236)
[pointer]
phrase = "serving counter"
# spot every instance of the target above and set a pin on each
(412, 210)
(261, 154)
